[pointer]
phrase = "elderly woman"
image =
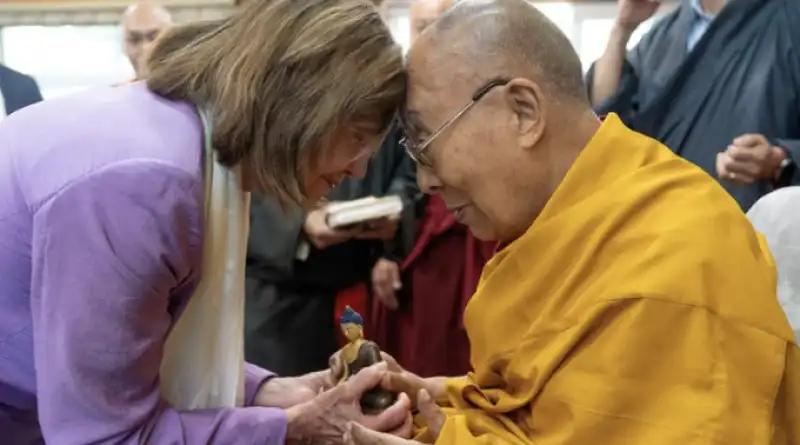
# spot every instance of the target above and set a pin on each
(777, 217)
(106, 208)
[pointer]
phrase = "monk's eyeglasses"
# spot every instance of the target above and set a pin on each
(417, 151)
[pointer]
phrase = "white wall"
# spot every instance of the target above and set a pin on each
(69, 47)
(66, 59)
(586, 23)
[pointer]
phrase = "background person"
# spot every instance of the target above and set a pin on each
(141, 25)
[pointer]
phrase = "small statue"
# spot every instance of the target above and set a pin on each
(358, 354)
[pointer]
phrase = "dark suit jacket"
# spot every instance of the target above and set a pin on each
(18, 90)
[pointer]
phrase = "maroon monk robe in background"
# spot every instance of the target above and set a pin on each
(426, 333)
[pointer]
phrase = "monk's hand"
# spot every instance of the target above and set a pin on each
(431, 413)
(324, 419)
(386, 282)
(399, 380)
(749, 158)
(320, 234)
(286, 392)
(358, 435)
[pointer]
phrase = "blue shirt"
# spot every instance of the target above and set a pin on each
(700, 24)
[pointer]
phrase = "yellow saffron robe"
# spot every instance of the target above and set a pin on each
(640, 308)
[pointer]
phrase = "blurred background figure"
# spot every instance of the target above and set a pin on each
(141, 24)
(425, 12)
(718, 82)
(18, 91)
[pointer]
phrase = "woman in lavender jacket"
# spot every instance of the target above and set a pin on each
(101, 221)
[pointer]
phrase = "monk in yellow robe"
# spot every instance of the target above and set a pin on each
(632, 303)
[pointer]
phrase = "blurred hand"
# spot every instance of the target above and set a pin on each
(320, 234)
(383, 229)
(358, 435)
(431, 414)
(386, 282)
(286, 392)
(324, 419)
(749, 158)
(633, 12)
(399, 380)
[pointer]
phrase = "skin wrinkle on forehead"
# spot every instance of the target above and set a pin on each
(446, 69)
(413, 117)
(440, 87)
(422, 13)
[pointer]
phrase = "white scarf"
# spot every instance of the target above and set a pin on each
(777, 217)
(203, 363)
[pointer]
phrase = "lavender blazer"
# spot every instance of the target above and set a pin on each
(101, 232)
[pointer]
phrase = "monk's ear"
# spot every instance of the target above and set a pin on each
(527, 102)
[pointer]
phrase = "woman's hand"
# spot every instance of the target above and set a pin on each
(432, 415)
(324, 419)
(286, 392)
(320, 234)
(398, 380)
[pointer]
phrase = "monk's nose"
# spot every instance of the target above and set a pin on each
(428, 182)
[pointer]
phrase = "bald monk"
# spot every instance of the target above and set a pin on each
(416, 312)
(632, 302)
(141, 23)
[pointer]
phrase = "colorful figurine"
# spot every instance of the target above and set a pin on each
(358, 354)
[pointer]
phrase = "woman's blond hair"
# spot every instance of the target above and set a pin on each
(280, 77)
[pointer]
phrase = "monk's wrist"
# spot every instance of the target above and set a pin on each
(437, 388)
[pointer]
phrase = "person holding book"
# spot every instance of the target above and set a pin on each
(300, 269)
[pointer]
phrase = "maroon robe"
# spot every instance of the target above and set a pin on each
(426, 334)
